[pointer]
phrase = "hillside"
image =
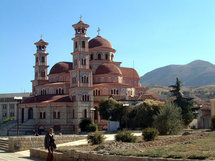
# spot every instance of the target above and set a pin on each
(198, 93)
(196, 73)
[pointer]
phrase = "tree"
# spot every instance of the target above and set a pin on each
(110, 109)
(145, 111)
(169, 120)
(186, 104)
(84, 124)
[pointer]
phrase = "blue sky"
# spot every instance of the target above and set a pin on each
(150, 33)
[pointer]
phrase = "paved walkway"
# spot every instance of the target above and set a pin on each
(25, 155)
(5, 156)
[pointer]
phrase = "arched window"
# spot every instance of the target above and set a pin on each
(96, 113)
(84, 79)
(85, 98)
(91, 57)
(114, 91)
(43, 73)
(106, 56)
(43, 59)
(30, 113)
(37, 59)
(83, 44)
(59, 91)
(76, 44)
(43, 47)
(85, 113)
(99, 56)
(97, 92)
(43, 92)
(83, 61)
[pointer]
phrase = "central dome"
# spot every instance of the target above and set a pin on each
(108, 68)
(99, 42)
(61, 67)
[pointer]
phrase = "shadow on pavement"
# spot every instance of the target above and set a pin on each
(33, 159)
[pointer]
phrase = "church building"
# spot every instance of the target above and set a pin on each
(71, 91)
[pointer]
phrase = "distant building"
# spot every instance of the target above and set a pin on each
(8, 106)
(204, 115)
(72, 90)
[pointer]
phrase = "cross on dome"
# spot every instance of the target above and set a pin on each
(41, 36)
(80, 17)
(98, 31)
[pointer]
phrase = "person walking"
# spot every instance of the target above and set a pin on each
(50, 144)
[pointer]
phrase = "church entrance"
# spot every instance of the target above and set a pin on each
(30, 113)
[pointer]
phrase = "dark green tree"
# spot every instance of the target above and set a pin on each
(186, 104)
(110, 109)
(84, 124)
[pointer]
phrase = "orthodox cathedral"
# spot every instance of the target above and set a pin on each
(71, 91)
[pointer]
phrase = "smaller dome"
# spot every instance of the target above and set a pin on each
(99, 42)
(61, 67)
(108, 68)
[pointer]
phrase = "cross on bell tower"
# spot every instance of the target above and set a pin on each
(98, 31)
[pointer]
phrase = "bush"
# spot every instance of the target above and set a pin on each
(95, 138)
(92, 128)
(144, 112)
(8, 119)
(169, 120)
(125, 136)
(213, 122)
(84, 123)
(150, 134)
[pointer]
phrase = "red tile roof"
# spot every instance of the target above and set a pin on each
(61, 67)
(99, 42)
(41, 41)
(129, 73)
(110, 84)
(54, 84)
(47, 99)
(80, 24)
(108, 68)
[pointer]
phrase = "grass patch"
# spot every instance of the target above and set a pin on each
(187, 148)
(199, 156)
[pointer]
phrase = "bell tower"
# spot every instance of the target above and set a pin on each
(81, 91)
(41, 67)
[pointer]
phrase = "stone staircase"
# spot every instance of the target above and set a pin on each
(4, 127)
(25, 128)
(4, 144)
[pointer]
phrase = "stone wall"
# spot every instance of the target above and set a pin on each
(20, 143)
(89, 156)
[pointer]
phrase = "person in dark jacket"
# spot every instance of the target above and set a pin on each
(49, 144)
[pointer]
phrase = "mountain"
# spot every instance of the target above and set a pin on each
(194, 74)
